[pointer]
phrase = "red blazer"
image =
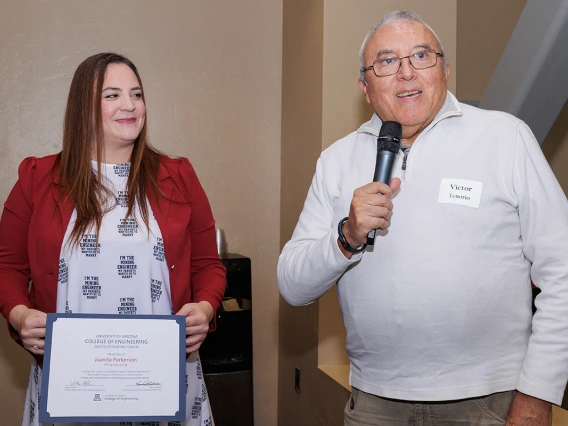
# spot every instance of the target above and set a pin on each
(35, 219)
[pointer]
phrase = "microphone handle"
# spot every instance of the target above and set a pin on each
(383, 171)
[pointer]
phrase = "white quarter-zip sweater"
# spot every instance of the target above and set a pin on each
(440, 307)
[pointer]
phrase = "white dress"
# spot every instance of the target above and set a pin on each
(123, 273)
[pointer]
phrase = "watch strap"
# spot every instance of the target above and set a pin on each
(343, 240)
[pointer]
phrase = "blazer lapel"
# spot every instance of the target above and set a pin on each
(161, 206)
(65, 208)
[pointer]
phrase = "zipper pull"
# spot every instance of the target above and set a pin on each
(403, 167)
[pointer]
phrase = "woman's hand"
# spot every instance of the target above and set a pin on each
(30, 325)
(197, 319)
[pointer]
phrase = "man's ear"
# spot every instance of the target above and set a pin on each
(447, 70)
(363, 87)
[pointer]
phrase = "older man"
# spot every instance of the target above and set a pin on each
(438, 311)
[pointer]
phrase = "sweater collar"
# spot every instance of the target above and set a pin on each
(450, 108)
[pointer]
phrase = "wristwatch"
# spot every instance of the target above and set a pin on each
(343, 240)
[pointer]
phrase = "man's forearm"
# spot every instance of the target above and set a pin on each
(307, 269)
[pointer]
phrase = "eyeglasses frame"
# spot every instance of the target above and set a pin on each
(400, 58)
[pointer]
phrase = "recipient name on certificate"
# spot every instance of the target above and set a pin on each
(109, 368)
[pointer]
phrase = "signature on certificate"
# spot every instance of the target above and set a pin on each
(147, 383)
(82, 383)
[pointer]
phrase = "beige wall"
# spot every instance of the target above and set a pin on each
(555, 148)
(321, 103)
(484, 29)
(212, 74)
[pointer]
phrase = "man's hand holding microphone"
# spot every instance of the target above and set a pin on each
(371, 206)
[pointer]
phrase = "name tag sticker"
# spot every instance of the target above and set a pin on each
(460, 191)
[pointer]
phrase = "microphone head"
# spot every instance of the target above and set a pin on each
(391, 128)
(389, 136)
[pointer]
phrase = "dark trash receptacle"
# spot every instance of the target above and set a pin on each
(226, 354)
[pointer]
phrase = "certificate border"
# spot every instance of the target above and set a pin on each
(44, 416)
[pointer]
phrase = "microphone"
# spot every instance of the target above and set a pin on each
(388, 145)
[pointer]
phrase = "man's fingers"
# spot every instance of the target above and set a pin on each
(383, 222)
(370, 209)
(373, 205)
(378, 223)
(375, 188)
(395, 185)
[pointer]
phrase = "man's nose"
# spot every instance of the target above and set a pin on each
(406, 70)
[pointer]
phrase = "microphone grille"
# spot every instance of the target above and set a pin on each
(389, 136)
(388, 144)
(391, 128)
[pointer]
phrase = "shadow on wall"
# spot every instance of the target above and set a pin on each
(298, 316)
(558, 135)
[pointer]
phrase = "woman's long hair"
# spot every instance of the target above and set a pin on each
(83, 137)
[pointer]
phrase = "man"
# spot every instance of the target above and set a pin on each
(438, 311)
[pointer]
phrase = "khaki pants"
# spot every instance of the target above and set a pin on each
(364, 409)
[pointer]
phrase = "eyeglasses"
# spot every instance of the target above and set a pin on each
(390, 65)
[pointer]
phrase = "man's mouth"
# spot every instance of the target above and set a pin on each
(408, 94)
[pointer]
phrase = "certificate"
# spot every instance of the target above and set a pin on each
(112, 368)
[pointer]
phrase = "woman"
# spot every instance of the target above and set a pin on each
(73, 218)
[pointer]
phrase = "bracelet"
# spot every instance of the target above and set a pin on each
(344, 242)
